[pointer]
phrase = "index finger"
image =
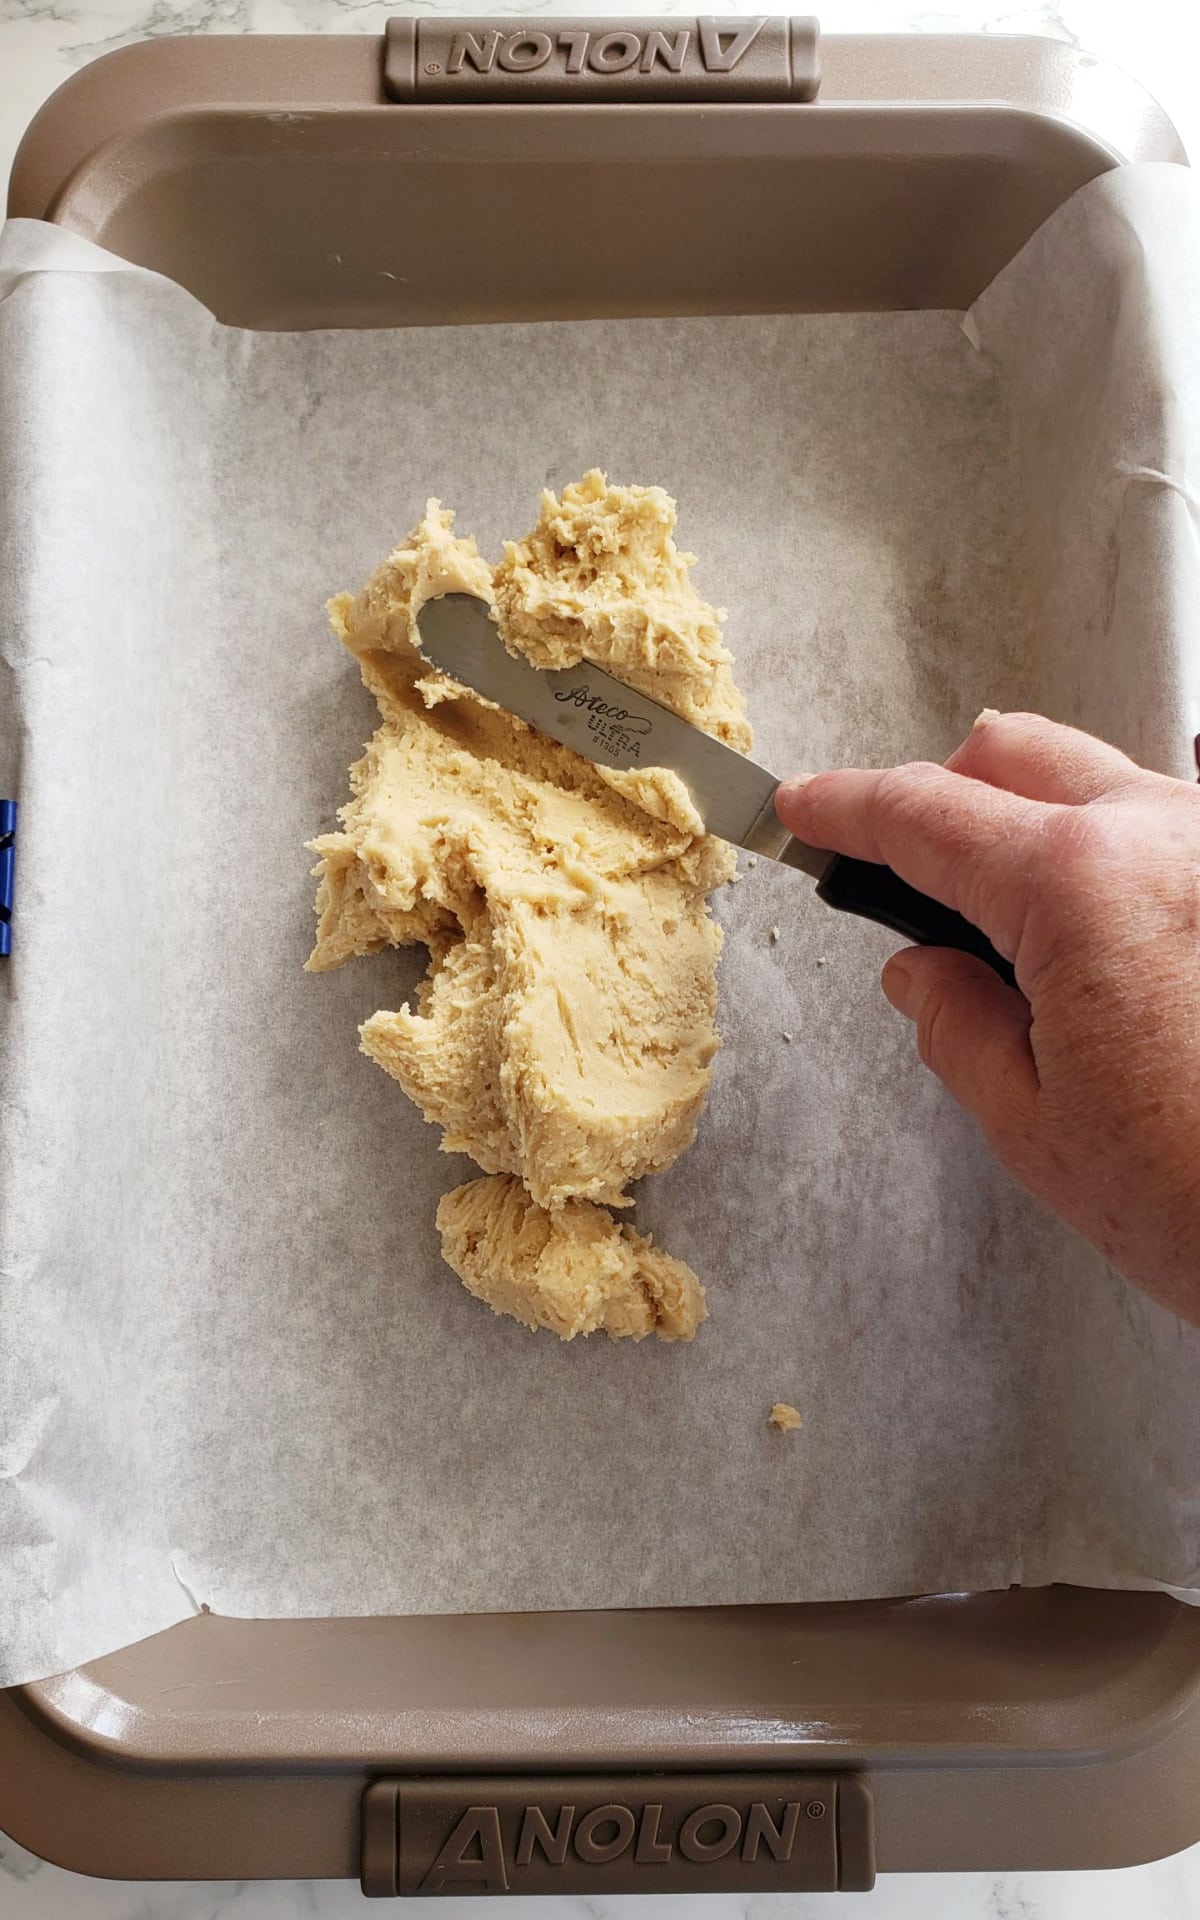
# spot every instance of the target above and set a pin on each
(1042, 760)
(968, 844)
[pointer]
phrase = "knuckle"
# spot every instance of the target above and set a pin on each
(1088, 848)
(901, 794)
(1119, 878)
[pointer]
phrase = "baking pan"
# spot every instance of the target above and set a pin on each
(746, 167)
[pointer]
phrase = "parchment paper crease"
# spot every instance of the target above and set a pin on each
(234, 1370)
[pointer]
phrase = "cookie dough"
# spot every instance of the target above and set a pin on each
(564, 1033)
(600, 578)
(574, 1270)
(784, 1417)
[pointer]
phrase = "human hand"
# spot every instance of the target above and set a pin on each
(1083, 869)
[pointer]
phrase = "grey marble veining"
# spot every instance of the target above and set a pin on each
(41, 43)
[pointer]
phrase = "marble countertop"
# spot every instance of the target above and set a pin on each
(41, 43)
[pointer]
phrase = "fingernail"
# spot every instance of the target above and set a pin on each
(790, 789)
(896, 981)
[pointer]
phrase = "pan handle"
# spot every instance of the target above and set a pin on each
(673, 59)
(613, 1833)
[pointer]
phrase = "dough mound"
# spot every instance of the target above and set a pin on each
(565, 1030)
(600, 578)
(575, 1270)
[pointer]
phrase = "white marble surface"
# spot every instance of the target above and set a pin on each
(41, 43)
(1169, 1891)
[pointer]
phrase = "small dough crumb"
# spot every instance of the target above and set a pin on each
(986, 714)
(784, 1417)
(752, 862)
(822, 962)
(574, 1270)
(788, 1038)
(774, 936)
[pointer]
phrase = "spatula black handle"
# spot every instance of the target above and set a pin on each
(876, 893)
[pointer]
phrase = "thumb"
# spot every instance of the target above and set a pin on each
(973, 1033)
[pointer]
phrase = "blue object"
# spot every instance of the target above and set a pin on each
(8, 855)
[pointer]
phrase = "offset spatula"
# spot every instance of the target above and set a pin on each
(615, 726)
